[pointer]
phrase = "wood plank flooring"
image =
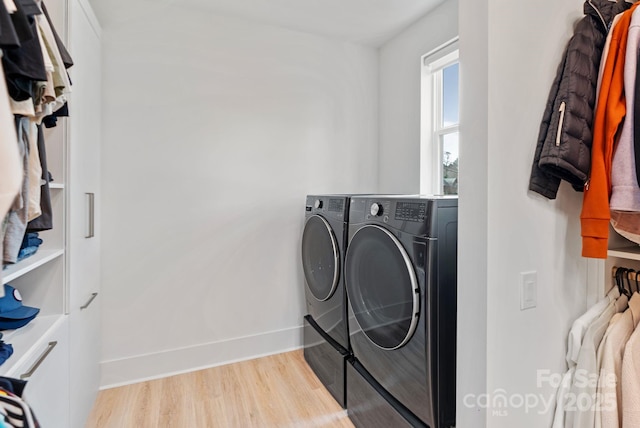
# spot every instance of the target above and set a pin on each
(276, 391)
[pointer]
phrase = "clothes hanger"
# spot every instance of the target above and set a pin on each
(620, 281)
(627, 276)
(637, 283)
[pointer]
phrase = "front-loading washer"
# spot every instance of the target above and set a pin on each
(325, 333)
(400, 275)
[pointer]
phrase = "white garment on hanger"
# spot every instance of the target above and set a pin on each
(34, 209)
(561, 397)
(605, 52)
(611, 372)
(23, 108)
(587, 367)
(580, 326)
(574, 342)
(602, 380)
(631, 382)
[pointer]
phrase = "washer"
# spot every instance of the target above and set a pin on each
(326, 335)
(400, 273)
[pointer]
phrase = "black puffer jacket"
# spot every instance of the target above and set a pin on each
(564, 142)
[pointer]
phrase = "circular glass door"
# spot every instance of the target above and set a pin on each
(320, 258)
(382, 287)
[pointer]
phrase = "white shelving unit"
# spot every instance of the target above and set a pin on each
(27, 265)
(621, 253)
(629, 252)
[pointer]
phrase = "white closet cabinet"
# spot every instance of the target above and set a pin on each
(46, 391)
(58, 352)
(41, 348)
(84, 200)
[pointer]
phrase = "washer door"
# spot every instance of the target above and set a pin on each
(382, 287)
(320, 258)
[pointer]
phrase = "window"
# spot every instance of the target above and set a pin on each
(440, 121)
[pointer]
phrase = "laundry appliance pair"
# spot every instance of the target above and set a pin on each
(381, 330)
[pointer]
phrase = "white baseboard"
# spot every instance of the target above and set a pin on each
(139, 368)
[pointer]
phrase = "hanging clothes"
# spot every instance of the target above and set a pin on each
(631, 382)
(624, 203)
(589, 365)
(601, 385)
(25, 64)
(14, 411)
(8, 36)
(45, 220)
(37, 87)
(605, 391)
(611, 370)
(10, 164)
(574, 343)
(17, 218)
(609, 114)
(35, 174)
(564, 139)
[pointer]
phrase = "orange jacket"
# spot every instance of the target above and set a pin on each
(609, 115)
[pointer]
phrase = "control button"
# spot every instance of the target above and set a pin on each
(376, 209)
(386, 219)
(318, 204)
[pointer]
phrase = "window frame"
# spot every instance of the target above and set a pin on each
(432, 129)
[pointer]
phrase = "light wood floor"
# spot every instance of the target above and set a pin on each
(275, 391)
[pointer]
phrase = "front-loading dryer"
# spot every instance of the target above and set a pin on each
(326, 335)
(400, 275)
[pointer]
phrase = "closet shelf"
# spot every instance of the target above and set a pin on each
(27, 265)
(26, 341)
(630, 252)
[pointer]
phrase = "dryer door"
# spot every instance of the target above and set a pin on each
(320, 258)
(382, 287)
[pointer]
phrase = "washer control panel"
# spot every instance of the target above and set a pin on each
(411, 211)
(336, 205)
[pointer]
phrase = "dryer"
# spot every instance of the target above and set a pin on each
(400, 274)
(326, 335)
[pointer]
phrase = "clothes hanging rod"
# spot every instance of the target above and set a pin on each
(630, 275)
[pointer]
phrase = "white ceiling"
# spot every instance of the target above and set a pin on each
(369, 22)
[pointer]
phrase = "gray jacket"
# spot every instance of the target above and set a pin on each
(563, 151)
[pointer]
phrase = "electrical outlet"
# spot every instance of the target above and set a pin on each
(528, 290)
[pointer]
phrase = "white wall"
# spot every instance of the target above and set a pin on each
(524, 232)
(399, 113)
(473, 223)
(214, 131)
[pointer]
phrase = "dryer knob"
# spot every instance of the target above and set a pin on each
(318, 204)
(376, 209)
